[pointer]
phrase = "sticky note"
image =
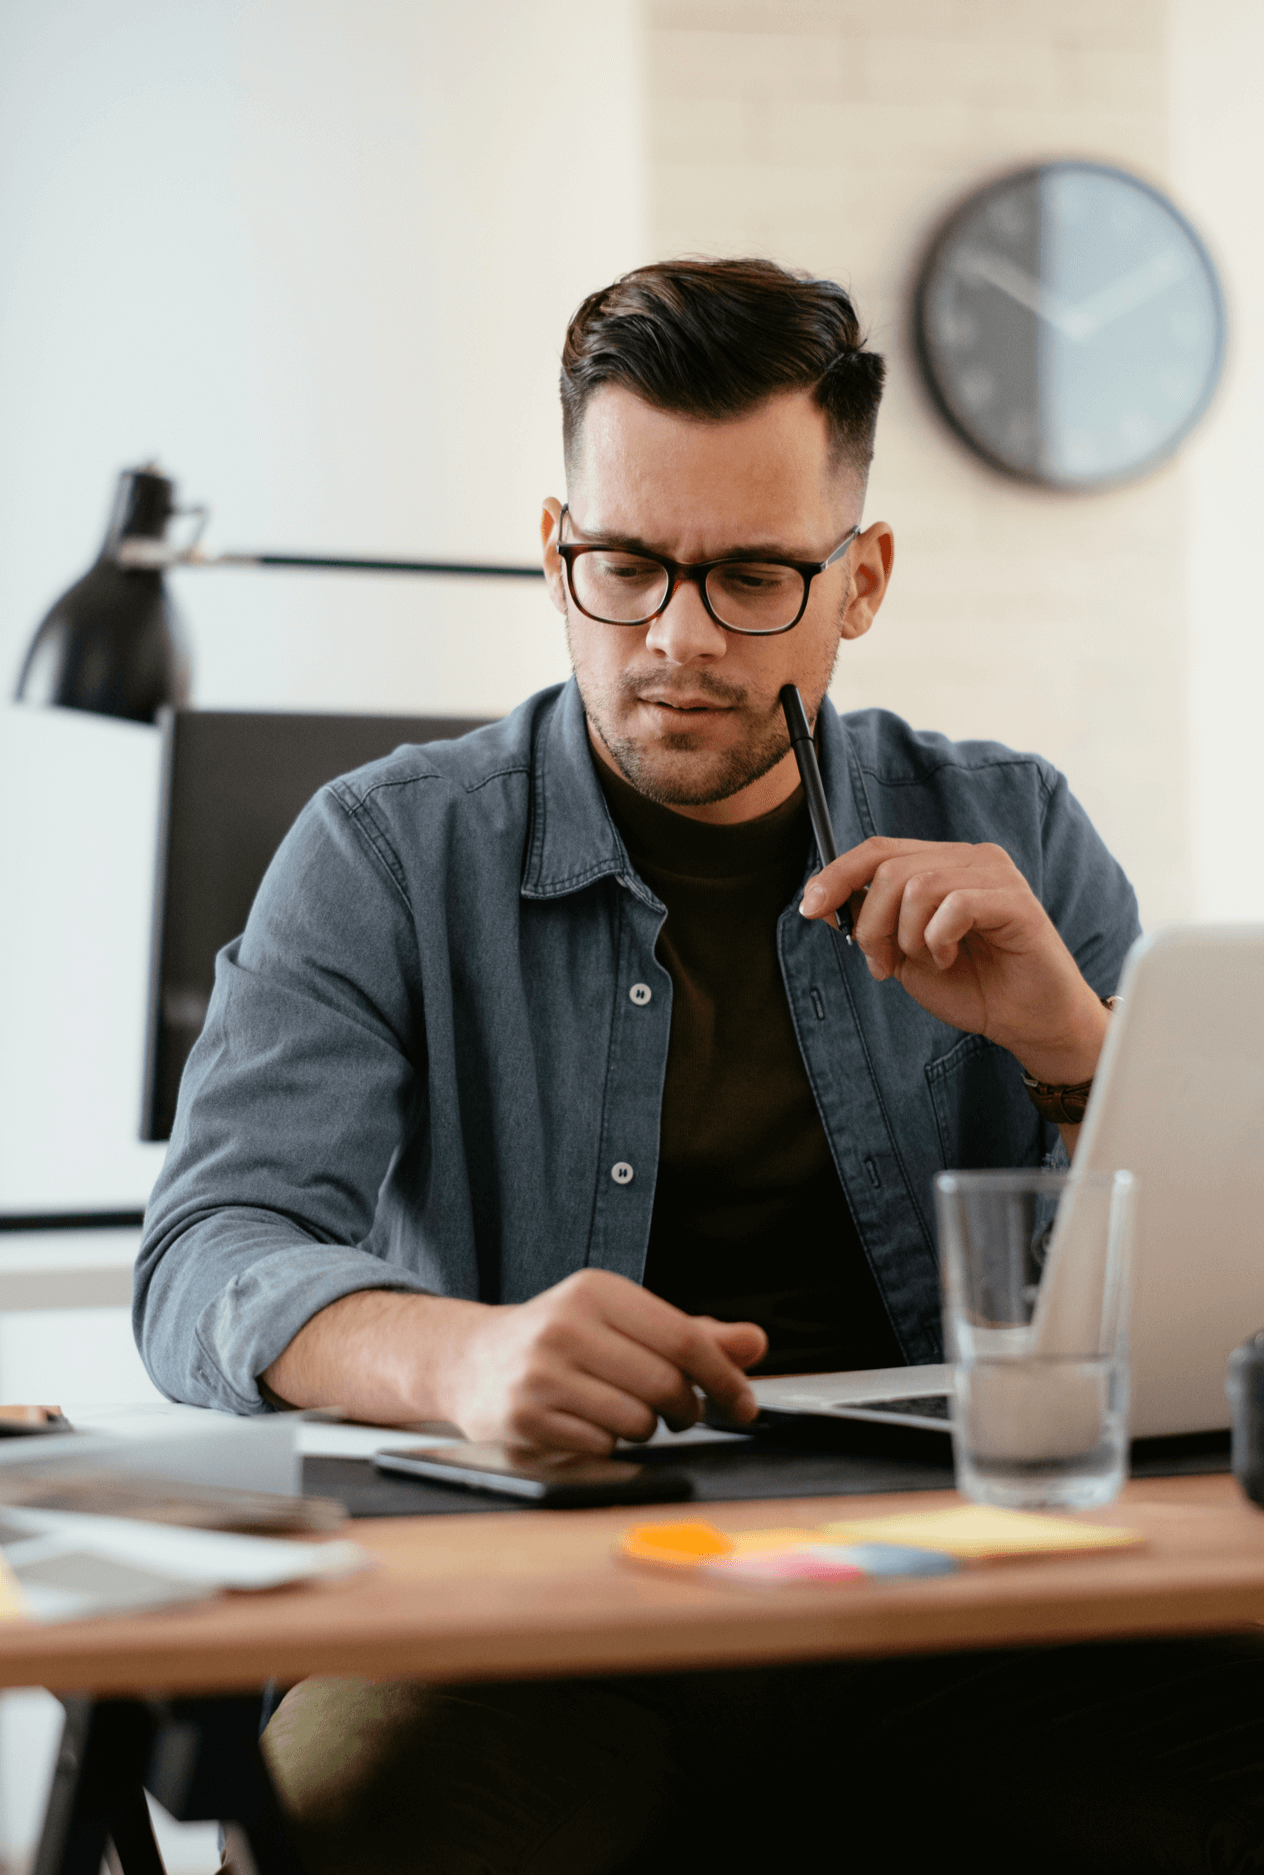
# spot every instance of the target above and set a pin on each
(682, 1543)
(786, 1537)
(978, 1530)
(891, 1559)
(807, 1562)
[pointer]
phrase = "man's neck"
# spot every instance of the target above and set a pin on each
(749, 803)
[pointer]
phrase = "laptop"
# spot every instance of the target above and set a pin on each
(1178, 1100)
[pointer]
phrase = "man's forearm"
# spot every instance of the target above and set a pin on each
(594, 1359)
(379, 1355)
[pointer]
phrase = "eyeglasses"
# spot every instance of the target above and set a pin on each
(749, 594)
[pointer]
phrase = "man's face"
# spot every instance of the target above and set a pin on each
(686, 711)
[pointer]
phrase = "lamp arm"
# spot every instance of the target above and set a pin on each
(156, 556)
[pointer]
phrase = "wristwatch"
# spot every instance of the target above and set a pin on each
(1063, 1105)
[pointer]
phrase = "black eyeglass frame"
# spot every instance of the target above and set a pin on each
(695, 573)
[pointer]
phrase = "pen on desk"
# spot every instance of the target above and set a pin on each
(813, 787)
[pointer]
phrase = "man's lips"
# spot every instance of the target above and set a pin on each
(685, 705)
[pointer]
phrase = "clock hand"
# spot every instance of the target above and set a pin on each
(1125, 294)
(997, 271)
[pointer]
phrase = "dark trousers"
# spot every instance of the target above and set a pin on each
(1145, 1756)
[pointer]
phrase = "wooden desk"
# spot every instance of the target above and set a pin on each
(533, 1595)
(459, 1598)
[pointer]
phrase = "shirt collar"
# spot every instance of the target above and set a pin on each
(573, 839)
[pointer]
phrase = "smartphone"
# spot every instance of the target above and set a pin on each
(555, 1480)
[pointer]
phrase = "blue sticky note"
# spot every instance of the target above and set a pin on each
(893, 1559)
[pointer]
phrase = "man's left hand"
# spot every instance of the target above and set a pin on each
(961, 930)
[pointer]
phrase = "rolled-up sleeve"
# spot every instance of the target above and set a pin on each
(297, 1096)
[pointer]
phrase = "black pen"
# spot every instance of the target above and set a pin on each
(813, 787)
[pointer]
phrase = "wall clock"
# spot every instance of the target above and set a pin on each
(1070, 325)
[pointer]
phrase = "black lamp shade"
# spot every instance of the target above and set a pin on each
(113, 644)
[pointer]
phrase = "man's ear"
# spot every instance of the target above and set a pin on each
(550, 532)
(874, 556)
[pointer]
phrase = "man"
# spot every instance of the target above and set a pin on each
(542, 1092)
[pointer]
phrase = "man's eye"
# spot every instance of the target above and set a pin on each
(626, 570)
(754, 580)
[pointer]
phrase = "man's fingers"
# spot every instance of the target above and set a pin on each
(579, 1396)
(900, 916)
(1000, 914)
(636, 1369)
(601, 1304)
(564, 1432)
(851, 872)
(920, 901)
(880, 868)
(693, 1345)
(687, 1341)
(706, 1362)
(743, 1342)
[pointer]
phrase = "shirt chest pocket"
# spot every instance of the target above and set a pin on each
(982, 1114)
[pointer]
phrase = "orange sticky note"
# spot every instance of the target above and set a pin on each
(683, 1544)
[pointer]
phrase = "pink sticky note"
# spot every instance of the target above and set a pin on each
(769, 1567)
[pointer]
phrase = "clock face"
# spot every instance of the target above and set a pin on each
(1070, 324)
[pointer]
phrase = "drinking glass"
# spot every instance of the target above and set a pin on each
(1035, 1274)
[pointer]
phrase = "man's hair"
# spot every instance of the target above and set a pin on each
(714, 338)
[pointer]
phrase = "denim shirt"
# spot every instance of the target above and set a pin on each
(423, 1067)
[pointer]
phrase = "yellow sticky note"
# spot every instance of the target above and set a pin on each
(978, 1530)
(679, 1543)
(745, 1542)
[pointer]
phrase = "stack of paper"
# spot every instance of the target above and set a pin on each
(62, 1566)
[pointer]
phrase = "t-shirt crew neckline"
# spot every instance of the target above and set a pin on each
(675, 844)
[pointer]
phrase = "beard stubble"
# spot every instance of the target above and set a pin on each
(704, 780)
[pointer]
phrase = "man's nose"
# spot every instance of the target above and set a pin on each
(685, 631)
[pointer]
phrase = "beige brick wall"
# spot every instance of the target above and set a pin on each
(833, 135)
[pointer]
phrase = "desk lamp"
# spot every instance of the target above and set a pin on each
(113, 644)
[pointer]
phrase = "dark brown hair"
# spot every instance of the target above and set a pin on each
(714, 338)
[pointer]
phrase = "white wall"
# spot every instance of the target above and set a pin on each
(1118, 633)
(835, 135)
(1217, 66)
(318, 257)
(77, 848)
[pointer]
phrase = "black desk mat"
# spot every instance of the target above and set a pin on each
(754, 1470)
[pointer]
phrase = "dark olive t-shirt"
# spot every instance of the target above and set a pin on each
(750, 1220)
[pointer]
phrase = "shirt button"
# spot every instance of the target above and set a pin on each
(621, 1173)
(640, 994)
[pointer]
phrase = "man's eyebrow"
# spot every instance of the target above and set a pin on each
(632, 543)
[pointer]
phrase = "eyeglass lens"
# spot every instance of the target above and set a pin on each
(624, 589)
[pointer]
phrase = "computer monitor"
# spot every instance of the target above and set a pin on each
(233, 782)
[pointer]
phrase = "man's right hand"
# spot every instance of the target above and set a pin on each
(593, 1360)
